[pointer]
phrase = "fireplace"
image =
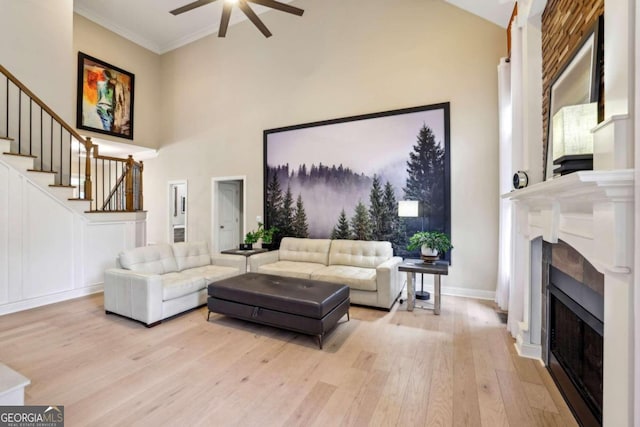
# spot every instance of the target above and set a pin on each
(575, 344)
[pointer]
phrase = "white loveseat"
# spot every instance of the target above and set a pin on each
(368, 268)
(156, 282)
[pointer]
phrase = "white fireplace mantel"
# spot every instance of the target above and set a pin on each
(592, 211)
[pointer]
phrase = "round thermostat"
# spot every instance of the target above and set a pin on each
(520, 180)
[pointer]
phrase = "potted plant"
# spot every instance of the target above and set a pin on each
(249, 239)
(267, 235)
(431, 243)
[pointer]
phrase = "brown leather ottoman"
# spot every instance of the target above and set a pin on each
(308, 306)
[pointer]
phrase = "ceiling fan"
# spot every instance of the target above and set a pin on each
(244, 6)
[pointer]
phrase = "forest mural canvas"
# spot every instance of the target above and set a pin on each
(343, 178)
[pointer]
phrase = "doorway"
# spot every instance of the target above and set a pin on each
(227, 211)
(177, 211)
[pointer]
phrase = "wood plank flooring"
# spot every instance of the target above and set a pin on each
(393, 368)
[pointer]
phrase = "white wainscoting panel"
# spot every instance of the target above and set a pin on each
(103, 242)
(49, 251)
(4, 234)
(48, 245)
(16, 183)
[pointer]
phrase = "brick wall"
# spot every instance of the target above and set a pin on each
(564, 25)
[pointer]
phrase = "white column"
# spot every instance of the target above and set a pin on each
(532, 109)
(505, 184)
(636, 260)
(526, 89)
(619, 16)
(516, 301)
(617, 409)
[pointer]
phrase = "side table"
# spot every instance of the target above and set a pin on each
(246, 253)
(413, 266)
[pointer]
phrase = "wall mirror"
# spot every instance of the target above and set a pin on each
(578, 82)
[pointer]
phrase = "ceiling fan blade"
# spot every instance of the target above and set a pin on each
(190, 6)
(253, 18)
(224, 21)
(273, 4)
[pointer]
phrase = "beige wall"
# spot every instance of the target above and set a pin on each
(35, 46)
(96, 41)
(339, 59)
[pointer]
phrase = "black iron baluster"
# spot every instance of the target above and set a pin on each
(61, 177)
(70, 160)
(80, 174)
(41, 141)
(30, 126)
(110, 181)
(7, 123)
(102, 198)
(51, 146)
(19, 121)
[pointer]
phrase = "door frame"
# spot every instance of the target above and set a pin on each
(214, 204)
(169, 207)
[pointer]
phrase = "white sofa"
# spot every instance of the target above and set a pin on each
(155, 282)
(368, 268)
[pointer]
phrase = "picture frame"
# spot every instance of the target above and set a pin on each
(105, 98)
(577, 82)
(331, 166)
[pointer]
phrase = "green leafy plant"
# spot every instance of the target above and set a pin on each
(266, 234)
(252, 237)
(432, 239)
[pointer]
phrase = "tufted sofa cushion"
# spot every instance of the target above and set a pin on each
(191, 255)
(156, 259)
(355, 277)
(359, 253)
(305, 250)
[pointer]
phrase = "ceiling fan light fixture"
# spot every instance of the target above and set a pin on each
(245, 8)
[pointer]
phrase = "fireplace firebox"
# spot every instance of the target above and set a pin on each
(575, 344)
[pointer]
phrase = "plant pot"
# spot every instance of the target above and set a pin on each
(428, 255)
(246, 246)
(268, 246)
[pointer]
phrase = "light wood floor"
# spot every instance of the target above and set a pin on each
(386, 369)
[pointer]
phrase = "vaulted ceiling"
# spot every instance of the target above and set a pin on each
(149, 23)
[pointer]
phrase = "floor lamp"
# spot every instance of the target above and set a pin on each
(413, 209)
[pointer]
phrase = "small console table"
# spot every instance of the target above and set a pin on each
(413, 266)
(247, 252)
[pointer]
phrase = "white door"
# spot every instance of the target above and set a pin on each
(229, 215)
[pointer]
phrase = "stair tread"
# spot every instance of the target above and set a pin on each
(41, 171)
(62, 186)
(20, 155)
(76, 199)
(7, 138)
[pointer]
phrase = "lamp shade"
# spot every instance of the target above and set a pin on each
(572, 130)
(409, 208)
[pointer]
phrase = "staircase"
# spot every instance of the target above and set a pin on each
(65, 210)
(49, 152)
(25, 165)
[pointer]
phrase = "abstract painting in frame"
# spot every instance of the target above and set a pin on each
(105, 98)
(343, 178)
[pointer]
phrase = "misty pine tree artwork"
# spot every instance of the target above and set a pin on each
(343, 178)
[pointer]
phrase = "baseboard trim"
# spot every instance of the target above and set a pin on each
(470, 293)
(462, 292)
(14, 307)
(530, 351)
